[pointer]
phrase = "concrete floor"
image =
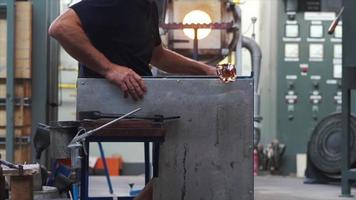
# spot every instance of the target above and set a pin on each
(266, 188)
(290, 188)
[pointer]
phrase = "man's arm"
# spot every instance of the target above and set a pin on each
(67, 30)
(172, 62)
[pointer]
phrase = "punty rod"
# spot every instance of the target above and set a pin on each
(81, 137)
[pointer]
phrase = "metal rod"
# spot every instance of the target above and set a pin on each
(106, 170)
(91, 132)
(10, 74)
(8, 164)
(195, 48)
(155, 158)
(334, 24)
(84, 174)
(40, 63)
(147, 162)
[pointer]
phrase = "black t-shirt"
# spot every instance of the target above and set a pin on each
(125, 31)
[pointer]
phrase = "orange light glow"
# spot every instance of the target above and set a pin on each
(195, 17)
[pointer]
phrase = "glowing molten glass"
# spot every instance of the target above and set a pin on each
(226, 72)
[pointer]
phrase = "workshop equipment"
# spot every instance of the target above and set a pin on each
(256, 57)
(83, 134)
(308, 74)
(336, 21)
(207, 153)
(348, 86)
(127, 130)
(41, 140)
(99, 115)
(275, 152)
(324, 148)
(61, 134)
(2, 186)
(53, 136)
(21, 183)
(207, 30)
(66, 133)
(13, 166)
(75, 147)
(228, 23)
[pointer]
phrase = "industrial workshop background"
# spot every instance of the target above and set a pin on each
(51, 65)
(298, 88)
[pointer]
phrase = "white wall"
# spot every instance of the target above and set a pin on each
(249, 9)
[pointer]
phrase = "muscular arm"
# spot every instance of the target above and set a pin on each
(172, 62)
(67, 30)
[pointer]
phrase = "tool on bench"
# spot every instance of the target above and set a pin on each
(81, 136)
(9, 164)
(100, 115)
(13, 166)
(41, 140)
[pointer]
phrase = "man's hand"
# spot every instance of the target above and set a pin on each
(129, 82)
(211, 71)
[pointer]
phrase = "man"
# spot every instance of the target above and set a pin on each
(117, 40)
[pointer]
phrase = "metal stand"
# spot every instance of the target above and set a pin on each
(347, 174)
(106, 170)
(126, 131)
(348, 84)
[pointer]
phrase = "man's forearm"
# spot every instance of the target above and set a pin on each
(73, 39)
(173, 62)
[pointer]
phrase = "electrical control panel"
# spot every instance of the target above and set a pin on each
(309, 78)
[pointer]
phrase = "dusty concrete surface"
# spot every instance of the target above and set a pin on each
(290, 188)
(266, 188)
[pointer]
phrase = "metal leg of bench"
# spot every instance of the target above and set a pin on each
(155, 154)
(102, 154)
(147, 162)
(84, 174)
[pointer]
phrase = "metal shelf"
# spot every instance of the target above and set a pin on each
(18, 140)
(26, 101)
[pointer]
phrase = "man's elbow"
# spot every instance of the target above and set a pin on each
(55, 29)
(158, 56)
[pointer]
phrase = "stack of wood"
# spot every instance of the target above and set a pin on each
(23, 46)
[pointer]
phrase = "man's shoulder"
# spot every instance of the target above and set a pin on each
(98, 3)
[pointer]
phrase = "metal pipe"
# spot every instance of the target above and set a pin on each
(256, 56)
(236, 26)
(10, 82)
